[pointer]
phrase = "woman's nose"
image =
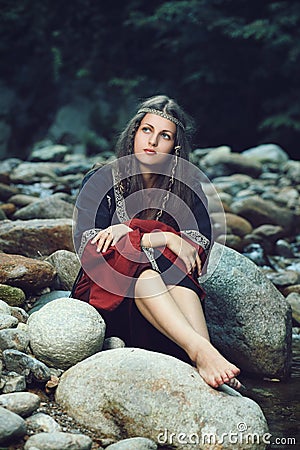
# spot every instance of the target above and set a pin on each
(153, 140)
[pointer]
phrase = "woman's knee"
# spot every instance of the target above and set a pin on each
(149, 283)
(148, 274)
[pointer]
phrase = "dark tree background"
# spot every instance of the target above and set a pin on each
(234, 65)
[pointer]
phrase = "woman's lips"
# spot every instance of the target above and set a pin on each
(149, 151)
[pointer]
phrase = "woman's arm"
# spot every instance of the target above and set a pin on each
(177, 245)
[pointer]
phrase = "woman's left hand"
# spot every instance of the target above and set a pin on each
(110, 236)
(184, 251)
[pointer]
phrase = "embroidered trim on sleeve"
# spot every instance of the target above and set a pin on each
(197, 237)
(86, 236)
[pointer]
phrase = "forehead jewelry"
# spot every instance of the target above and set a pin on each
(162, 114)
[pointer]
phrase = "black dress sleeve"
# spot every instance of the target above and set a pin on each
(94, 205)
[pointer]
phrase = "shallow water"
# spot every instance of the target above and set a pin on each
(279, 401)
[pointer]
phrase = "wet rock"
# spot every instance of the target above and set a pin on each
(292, 169)
(248, 318)
(284, 249)
(7, 191)
(284, 278)
(19, 313)
(67, 266)
(23, 199)
(170, 395)
(47, 298)
(59, 441)
(7, 321)
(220, 162)
(31, 172)
(267, 153)
(50, 153)
(41, 422)
(8, 209)
(58, 332)
(257, 254)
(232, 241)
(35, 238)
(260, 212)
(26, 365)
(294, 300)
(22, 403)
(289, 289)
(46, 208)
(26, 273)
(235, 225)
(14, 382)
(233, 184)
(3, 216)
(12, 427)
(288, 197)
(14, 338)
(4, 308)
(11, 295)
(113, 342)
(270, 232)
(136, 443)
(6, 166)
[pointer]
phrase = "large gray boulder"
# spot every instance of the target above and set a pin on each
(130, 392)
(248, 318)
(65, 331)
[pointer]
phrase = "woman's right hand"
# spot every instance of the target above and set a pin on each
(110, 236)
(184, 251)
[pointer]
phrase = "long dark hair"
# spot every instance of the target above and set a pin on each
(125, 146)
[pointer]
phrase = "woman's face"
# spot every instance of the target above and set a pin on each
(154, 139)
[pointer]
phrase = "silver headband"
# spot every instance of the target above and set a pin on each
(162, 114)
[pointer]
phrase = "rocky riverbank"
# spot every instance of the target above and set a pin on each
(249, 299)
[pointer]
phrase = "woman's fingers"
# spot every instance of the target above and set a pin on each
(107, 243)
(198, 265)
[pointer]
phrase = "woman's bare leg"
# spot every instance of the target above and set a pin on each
(190, 305)
(158, 306)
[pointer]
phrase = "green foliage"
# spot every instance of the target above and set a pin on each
(233, 64)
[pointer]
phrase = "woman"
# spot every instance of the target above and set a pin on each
(143, 235)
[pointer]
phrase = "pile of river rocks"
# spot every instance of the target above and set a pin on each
(114, 398)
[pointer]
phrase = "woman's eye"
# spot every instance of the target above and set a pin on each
(166, 136)
(146, 129)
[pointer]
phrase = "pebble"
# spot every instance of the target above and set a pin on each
(26, 364)
(7, 321)
(284, 278)
(22, 403)
(136, 443)
(12, 427)
(59, 441)
(13, 296)
(14, 382)
(41, 422)
(294, 300)
(19, 313)
(4, 308)
(113, 342)
(14, 338)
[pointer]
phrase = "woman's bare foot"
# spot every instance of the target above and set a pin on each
(213, 367)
